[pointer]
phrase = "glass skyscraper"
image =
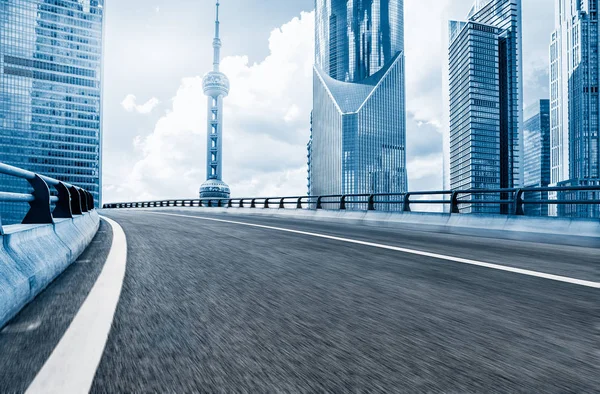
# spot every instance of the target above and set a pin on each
(50, 93)
(359, 122)
(536, 159)
(574, 103)
(485, 82)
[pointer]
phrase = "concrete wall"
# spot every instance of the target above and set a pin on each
(33, 255)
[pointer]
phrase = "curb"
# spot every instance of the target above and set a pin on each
(32, 256)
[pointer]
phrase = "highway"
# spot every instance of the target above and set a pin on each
(240, 303)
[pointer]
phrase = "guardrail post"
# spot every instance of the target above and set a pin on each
(282, 203)
(91, 202)
(39, 208)
(219, 203)
(454, 207)
(84, 206)
(319, 204)
(343, 202)
(253, 203)
(241, 203)
(519, 203)
(63, 206)
(230, 203)
(371, 206)
(266, 203)
(299, 203)
(76, 201)
(406, 203)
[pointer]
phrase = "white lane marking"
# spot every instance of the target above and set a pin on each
(558, 278)
(72, 365)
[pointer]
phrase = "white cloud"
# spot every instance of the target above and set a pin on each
(266, 120)
(130, 104)
(266, 127)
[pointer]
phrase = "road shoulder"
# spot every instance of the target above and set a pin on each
(29, 338)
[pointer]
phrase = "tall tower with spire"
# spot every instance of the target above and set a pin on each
(216, 88)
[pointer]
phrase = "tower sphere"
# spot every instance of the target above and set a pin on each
(215, 84)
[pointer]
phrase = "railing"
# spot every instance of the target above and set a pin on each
(68, 200)
(506, 201)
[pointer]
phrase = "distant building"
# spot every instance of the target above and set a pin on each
(486, 90)
(536, 159)
(574, 104)
(51, 94)
(309, 158)
(359, 122)
(216, 88)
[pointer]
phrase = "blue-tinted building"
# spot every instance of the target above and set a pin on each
(574, 103)
(309, 158)
(536, 158)
(359, 122)
(50, 93)
(485, 82)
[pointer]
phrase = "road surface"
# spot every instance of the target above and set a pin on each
(223, 303)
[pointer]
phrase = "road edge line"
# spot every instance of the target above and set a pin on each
(498, 267)
(72, 366)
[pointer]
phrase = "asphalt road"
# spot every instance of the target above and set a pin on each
(219, 307)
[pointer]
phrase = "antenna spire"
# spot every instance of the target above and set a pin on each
(217, 42)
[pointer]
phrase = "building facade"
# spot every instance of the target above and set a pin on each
(485, 101)
(536, 158)
(359, 123)
(574, 104)
(51, 93)
(309, 158)
(216, 88)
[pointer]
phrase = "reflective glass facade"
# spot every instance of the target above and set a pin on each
(357, 38)
(574, 103)
(536, 159)
(486, 95)
(475, 111)
(50, 93)
(358, 125)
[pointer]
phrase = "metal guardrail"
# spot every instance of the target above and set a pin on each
(68, 200)
(510, 201)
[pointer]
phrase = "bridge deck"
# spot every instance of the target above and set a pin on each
(218, 305)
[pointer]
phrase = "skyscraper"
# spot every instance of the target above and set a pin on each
(50, 93)
(536, 158)
(216, 87)
(359, 122)
(486, 91)
(574, 104)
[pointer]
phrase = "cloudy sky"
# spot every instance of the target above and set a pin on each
(155, 113)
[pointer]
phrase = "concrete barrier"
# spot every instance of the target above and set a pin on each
(32, 256)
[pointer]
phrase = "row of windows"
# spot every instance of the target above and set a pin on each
(51, 77)
(49, 66)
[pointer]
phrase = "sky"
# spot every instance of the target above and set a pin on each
(154, 119)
